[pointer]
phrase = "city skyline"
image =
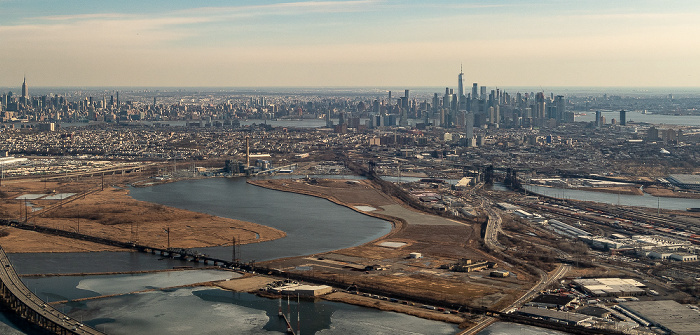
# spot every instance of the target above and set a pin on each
(350, 43)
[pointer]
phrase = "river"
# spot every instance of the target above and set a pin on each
(206, 310)
(645, 200)
(678, 120)
(312, 225)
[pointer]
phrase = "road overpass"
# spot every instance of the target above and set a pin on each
(19, 299)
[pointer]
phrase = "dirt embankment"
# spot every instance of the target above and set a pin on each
(248, 283)
(625, 190)
(666, 192)
(113, 214)
(348, 193)
(393, 307)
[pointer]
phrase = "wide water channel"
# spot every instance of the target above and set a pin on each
(163, 309)
(645, 200)
(312, 225)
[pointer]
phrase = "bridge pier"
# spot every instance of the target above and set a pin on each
(20, 300)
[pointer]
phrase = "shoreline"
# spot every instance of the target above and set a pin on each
(396, 223)
(374, 200)
(113, 213)
(252, 283)
(630, 190)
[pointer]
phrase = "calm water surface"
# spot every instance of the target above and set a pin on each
(507, 328)
(645, 200)
(684, 120)
(214, 311)
(205, 310)
(312, 224)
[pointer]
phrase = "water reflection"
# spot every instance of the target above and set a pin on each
(312, 224)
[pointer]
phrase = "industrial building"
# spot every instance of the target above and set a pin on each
(573, 319)
(302, 290)
(551, 301)
(683, 257)
(467, 265)
(665, 314)
(499, 274)
(565, 229)
(687, 181)
(415, 255)
(507, 207)
(611, 286)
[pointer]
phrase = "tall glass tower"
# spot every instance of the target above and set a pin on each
(460, 85)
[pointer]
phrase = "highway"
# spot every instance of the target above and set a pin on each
(28, 306)
(545, 280)
(493, 226)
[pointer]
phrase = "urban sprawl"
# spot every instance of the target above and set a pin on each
(508, 164)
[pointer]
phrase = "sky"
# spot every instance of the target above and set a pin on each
(268, 43)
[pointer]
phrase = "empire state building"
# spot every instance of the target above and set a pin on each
(25, 92)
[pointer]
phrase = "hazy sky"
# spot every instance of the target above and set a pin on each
(349, 43)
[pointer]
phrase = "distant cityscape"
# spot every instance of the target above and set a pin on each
(480, 106)
(591, 196)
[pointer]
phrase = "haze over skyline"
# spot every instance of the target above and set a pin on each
(349, 43)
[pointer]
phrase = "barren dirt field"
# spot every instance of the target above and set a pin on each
(440, 244)
(391, 306)
(248, 283)
(665, 192)
(112, 213)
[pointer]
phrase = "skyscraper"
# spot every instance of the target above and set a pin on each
(25, 92)
(475, 91)
(539, 107)
(623, 117)
(404, 104)
(460, 86)
(469, 126)
(561, 107)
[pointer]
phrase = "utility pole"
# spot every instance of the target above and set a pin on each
(233, 250)
(167, 230)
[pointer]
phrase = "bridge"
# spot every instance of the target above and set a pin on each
(39, 315)
(176, 253)
(28, 306)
